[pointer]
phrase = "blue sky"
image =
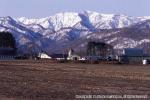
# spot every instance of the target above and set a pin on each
(44, 8)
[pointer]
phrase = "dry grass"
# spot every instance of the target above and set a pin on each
(43, 80)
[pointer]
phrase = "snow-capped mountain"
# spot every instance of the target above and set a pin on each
(88, 19)
(72, 30)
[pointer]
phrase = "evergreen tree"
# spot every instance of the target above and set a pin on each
(7, 40)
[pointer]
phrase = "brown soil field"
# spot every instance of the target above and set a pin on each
(44, 80)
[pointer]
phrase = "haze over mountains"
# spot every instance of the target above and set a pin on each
(67, 30)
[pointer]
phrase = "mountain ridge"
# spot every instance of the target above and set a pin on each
(58, 32)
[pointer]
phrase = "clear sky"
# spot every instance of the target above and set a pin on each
(44, 8)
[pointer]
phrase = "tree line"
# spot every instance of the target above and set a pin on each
(7, 40)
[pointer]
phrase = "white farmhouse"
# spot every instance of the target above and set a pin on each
(72, 56)
(44, 56)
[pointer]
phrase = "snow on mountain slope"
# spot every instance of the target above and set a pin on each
(56, 32)
(97, 20)
(22, 34)
(56, 22)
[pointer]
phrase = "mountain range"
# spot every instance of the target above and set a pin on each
(62, 31)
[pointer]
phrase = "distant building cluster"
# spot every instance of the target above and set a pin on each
(96, 51)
